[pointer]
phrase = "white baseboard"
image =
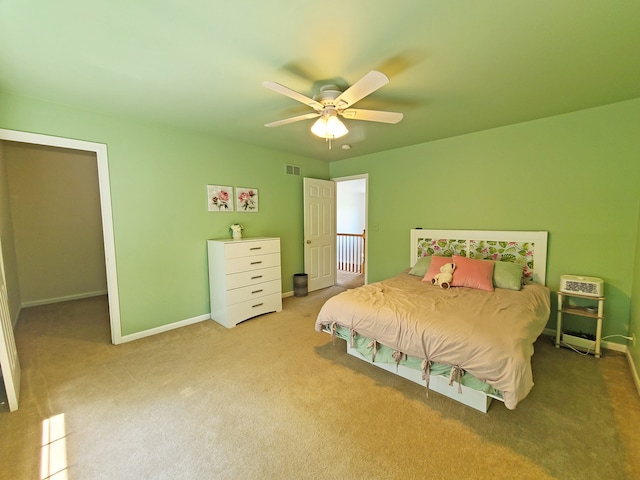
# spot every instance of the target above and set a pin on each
(616, 347)
(165, 328)
(579, 342)
(66, 298)
(634, 371)
(173, 326)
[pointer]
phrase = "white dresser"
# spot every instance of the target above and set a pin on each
(244, 278)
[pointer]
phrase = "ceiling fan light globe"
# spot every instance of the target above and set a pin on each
(335, 128)
(319, 127)
(329, 127)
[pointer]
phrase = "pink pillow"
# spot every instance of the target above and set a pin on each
(436, 262)
(473, 273)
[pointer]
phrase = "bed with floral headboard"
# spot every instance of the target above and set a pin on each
(472, 342)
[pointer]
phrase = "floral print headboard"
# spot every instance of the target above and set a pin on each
(526, 248)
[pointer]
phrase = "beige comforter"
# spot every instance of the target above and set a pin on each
(488, 334)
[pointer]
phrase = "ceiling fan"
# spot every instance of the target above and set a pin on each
(330, 103)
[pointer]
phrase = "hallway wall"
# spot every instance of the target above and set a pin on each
(350, 200)
(57, 226)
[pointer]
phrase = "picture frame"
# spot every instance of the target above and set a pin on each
(246, 199)
(219, 198)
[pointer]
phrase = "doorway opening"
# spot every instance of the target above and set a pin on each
(100, 152)
(351, 230)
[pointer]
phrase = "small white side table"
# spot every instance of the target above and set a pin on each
(563, 307)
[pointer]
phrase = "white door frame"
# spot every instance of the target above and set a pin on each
(100, 150)
(9, 362)
(365, 177)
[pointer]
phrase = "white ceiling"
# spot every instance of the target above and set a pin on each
(456, 66)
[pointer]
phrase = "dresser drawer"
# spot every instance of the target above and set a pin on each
(245, 310)
(252, 277)
(244, 264)
(246, 249)
(244, 294)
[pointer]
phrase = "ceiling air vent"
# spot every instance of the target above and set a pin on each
(292, 170)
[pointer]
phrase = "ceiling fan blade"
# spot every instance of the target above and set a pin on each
(276, 87)
(368, 84)
(372, 115)
(297, 118)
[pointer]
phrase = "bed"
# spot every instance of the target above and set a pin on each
(472, 342)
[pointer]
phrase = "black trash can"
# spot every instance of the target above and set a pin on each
(300, 284)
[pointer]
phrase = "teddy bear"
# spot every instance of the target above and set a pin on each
(445, 276)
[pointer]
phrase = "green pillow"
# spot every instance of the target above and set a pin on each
(421, 266)
(507, 275)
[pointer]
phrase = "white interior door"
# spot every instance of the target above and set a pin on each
(319, 233)
(8, 352)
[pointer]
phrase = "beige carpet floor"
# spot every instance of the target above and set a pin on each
(273, 399)
(349, 279)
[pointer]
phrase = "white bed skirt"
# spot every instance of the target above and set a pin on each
(438, 383)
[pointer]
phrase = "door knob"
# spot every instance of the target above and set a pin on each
(308, 242)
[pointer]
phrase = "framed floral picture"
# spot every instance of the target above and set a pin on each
(220, 198)
(246, 199)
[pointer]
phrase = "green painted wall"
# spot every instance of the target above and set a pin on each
(575, 175)
(634, 325)
(158, 188)
(522, 177)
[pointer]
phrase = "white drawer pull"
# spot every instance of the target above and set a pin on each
(257, 276)
(256, 263)
(258, 305)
